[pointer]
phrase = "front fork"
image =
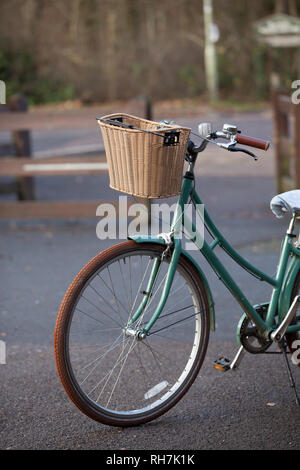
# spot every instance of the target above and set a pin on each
(142, 333)
(173, 241)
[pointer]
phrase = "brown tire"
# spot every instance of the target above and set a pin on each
(108, 373)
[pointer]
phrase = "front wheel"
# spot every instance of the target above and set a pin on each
(116, 378)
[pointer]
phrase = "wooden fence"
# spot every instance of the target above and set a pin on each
(286, 116)
(23, 168)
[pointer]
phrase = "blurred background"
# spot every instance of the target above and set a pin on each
(103, 50)
(68, 61)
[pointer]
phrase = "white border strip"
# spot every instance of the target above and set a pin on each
(64, 166)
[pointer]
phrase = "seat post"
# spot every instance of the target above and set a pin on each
(290, 230)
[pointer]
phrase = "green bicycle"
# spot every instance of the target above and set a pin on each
(133, 327)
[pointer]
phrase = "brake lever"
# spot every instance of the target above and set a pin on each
(232, 148)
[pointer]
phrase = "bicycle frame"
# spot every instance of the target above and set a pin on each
(282, 283)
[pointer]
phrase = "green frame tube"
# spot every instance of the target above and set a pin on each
(265, 327)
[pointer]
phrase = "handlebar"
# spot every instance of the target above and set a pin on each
(232, 134)
(252, 142)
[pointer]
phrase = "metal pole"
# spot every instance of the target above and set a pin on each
(210, 56)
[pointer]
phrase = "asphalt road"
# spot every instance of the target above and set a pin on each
(252, 408)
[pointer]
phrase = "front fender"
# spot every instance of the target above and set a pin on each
(284, 300)
(161, 241)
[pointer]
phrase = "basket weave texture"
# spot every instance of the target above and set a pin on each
(138, 162)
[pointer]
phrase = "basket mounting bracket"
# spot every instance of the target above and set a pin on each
(171, 137)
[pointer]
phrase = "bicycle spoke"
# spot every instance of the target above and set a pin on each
(99, 309)
(113, 289)
(155, 293)
(123, 282)
(159, 353)
(140, 286)
(113, 346)
(104, 300)
(109, 372)
(172, 313)
(130, 280)
(140, 361)
(173, 324)
(113, 293)
(146, 343)
(88, 315)
(121, 369)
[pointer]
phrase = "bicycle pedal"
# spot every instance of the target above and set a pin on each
(222, 364)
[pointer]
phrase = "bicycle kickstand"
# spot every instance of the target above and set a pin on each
(282, 345)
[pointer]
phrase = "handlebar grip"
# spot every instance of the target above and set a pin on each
(252, 142)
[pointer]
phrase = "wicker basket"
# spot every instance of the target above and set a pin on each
(145, 160)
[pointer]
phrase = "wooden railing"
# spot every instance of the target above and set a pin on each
(23, 168)
(286, 116)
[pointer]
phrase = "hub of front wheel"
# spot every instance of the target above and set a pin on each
(138, 334)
